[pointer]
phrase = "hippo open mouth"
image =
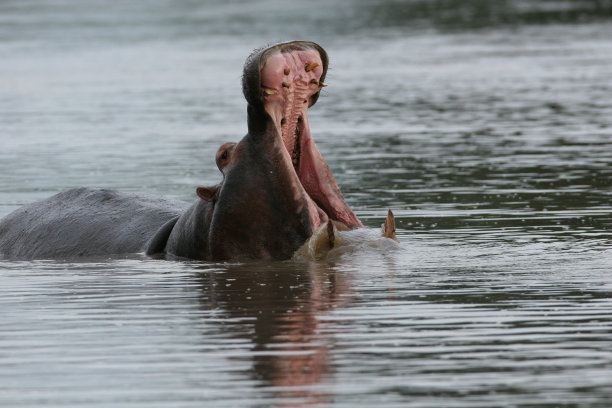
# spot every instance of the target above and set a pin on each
(289, 78)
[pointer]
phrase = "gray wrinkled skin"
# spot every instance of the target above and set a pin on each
(85, 222)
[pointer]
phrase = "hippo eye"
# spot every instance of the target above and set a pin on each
(224, 155)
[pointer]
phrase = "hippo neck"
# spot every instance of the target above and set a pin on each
(262, 211)
(189, 235)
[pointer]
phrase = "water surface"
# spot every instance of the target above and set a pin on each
(485, 126)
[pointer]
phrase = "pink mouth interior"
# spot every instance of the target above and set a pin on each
(289, 80)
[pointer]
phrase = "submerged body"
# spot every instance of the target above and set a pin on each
(276, 188)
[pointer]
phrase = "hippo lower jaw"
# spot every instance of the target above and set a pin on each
(291, 77)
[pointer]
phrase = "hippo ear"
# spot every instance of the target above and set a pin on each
(207, 193)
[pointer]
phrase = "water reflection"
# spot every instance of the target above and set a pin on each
(277, 308)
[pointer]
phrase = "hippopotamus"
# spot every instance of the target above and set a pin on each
(276, 188)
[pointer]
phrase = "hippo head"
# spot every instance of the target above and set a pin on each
(277, 188)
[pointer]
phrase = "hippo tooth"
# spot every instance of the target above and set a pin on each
(285, 85)
(331, 236)
(312, 66)
(287, 71)
(270, 91)
(388, 228)
(283, 121)
(322, 84)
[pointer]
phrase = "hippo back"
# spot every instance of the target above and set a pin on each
(85, 222)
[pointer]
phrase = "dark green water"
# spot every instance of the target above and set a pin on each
(485, 125)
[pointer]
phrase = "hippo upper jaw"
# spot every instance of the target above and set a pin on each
(290, 79)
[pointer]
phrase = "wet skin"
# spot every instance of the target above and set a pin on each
(276, 188)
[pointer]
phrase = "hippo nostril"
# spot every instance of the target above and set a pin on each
(224, 155)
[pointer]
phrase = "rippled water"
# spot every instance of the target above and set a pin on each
(486, 126)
